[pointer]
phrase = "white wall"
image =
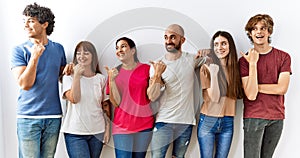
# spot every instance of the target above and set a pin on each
(79, 19)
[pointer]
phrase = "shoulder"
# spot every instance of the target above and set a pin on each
(281, 52)
(144, 66)
(100, 76)
(55, 45)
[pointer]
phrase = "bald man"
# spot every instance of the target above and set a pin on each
(172, 85)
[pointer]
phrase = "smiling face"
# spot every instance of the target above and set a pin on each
(84, 57)
(123, 51)
(34, 28)
(172, 41)
(260, 34)
(221, 47)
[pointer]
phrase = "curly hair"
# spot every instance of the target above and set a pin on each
(43, 14)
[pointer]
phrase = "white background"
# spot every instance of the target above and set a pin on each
(76, 19)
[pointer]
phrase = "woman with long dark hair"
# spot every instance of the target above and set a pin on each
(221, 87)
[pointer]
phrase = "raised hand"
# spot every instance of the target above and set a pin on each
(36, 50)
(159, 67)
(252, 56)
(68, 70)
(213, 69)
(112, 73)
(78, 70)
(202, 53)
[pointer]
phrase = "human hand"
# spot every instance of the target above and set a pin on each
(213, 69)
(68, 70)
(78, 70)
(252, 56)
(202, 53)
(112, 73)
(36, 50)
(159, 67)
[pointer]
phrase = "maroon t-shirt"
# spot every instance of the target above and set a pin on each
(269, 66)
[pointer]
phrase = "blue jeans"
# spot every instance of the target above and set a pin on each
(133, 145)
(38, 137)
(87, 146)
(215, 131)
(261, 137)
(166, 133)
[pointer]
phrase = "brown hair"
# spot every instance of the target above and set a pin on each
(265, 18)
(234, 87)
(88, 46)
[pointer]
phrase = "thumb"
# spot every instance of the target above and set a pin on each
(106, 68)
(151, 62)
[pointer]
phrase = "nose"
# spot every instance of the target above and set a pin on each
(25, 24)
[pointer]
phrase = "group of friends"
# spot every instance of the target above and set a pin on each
(260, 77)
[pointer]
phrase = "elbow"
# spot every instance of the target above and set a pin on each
(73, 101)
(282, 91)
(152, 98)
(251, 97)
(25, 87)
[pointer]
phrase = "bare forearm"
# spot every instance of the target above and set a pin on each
(26, 77)
(75, 89)
(214, 90)
(114, 94)
(278, 89)
(154, 88)
(271, 89)
(250, 83)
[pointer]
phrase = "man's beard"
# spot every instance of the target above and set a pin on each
(175, 49)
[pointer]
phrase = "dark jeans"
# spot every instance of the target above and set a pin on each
(261, 137)
(84, 146)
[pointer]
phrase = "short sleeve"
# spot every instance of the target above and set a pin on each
(244, 67)
(286, 63)
(66, 84)
(18, 57)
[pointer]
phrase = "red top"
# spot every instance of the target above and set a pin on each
(134, 113)
(269, 66)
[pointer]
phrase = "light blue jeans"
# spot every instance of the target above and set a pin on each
(84, 146)
(215, 131)
(261, 137)
(166, 133)
(133, 145)
(38, 137)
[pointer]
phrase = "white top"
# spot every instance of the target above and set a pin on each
(85, 117)
(176, 104)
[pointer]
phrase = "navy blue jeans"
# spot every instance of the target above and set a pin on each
(215, 131)
(261, 137)
(87, 146)
(132, 145)
(166, 133)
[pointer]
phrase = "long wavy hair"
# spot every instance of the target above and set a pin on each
(234, 84)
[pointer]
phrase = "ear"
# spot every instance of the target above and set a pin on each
(45, 25)
(133, 51)
(182, 39)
